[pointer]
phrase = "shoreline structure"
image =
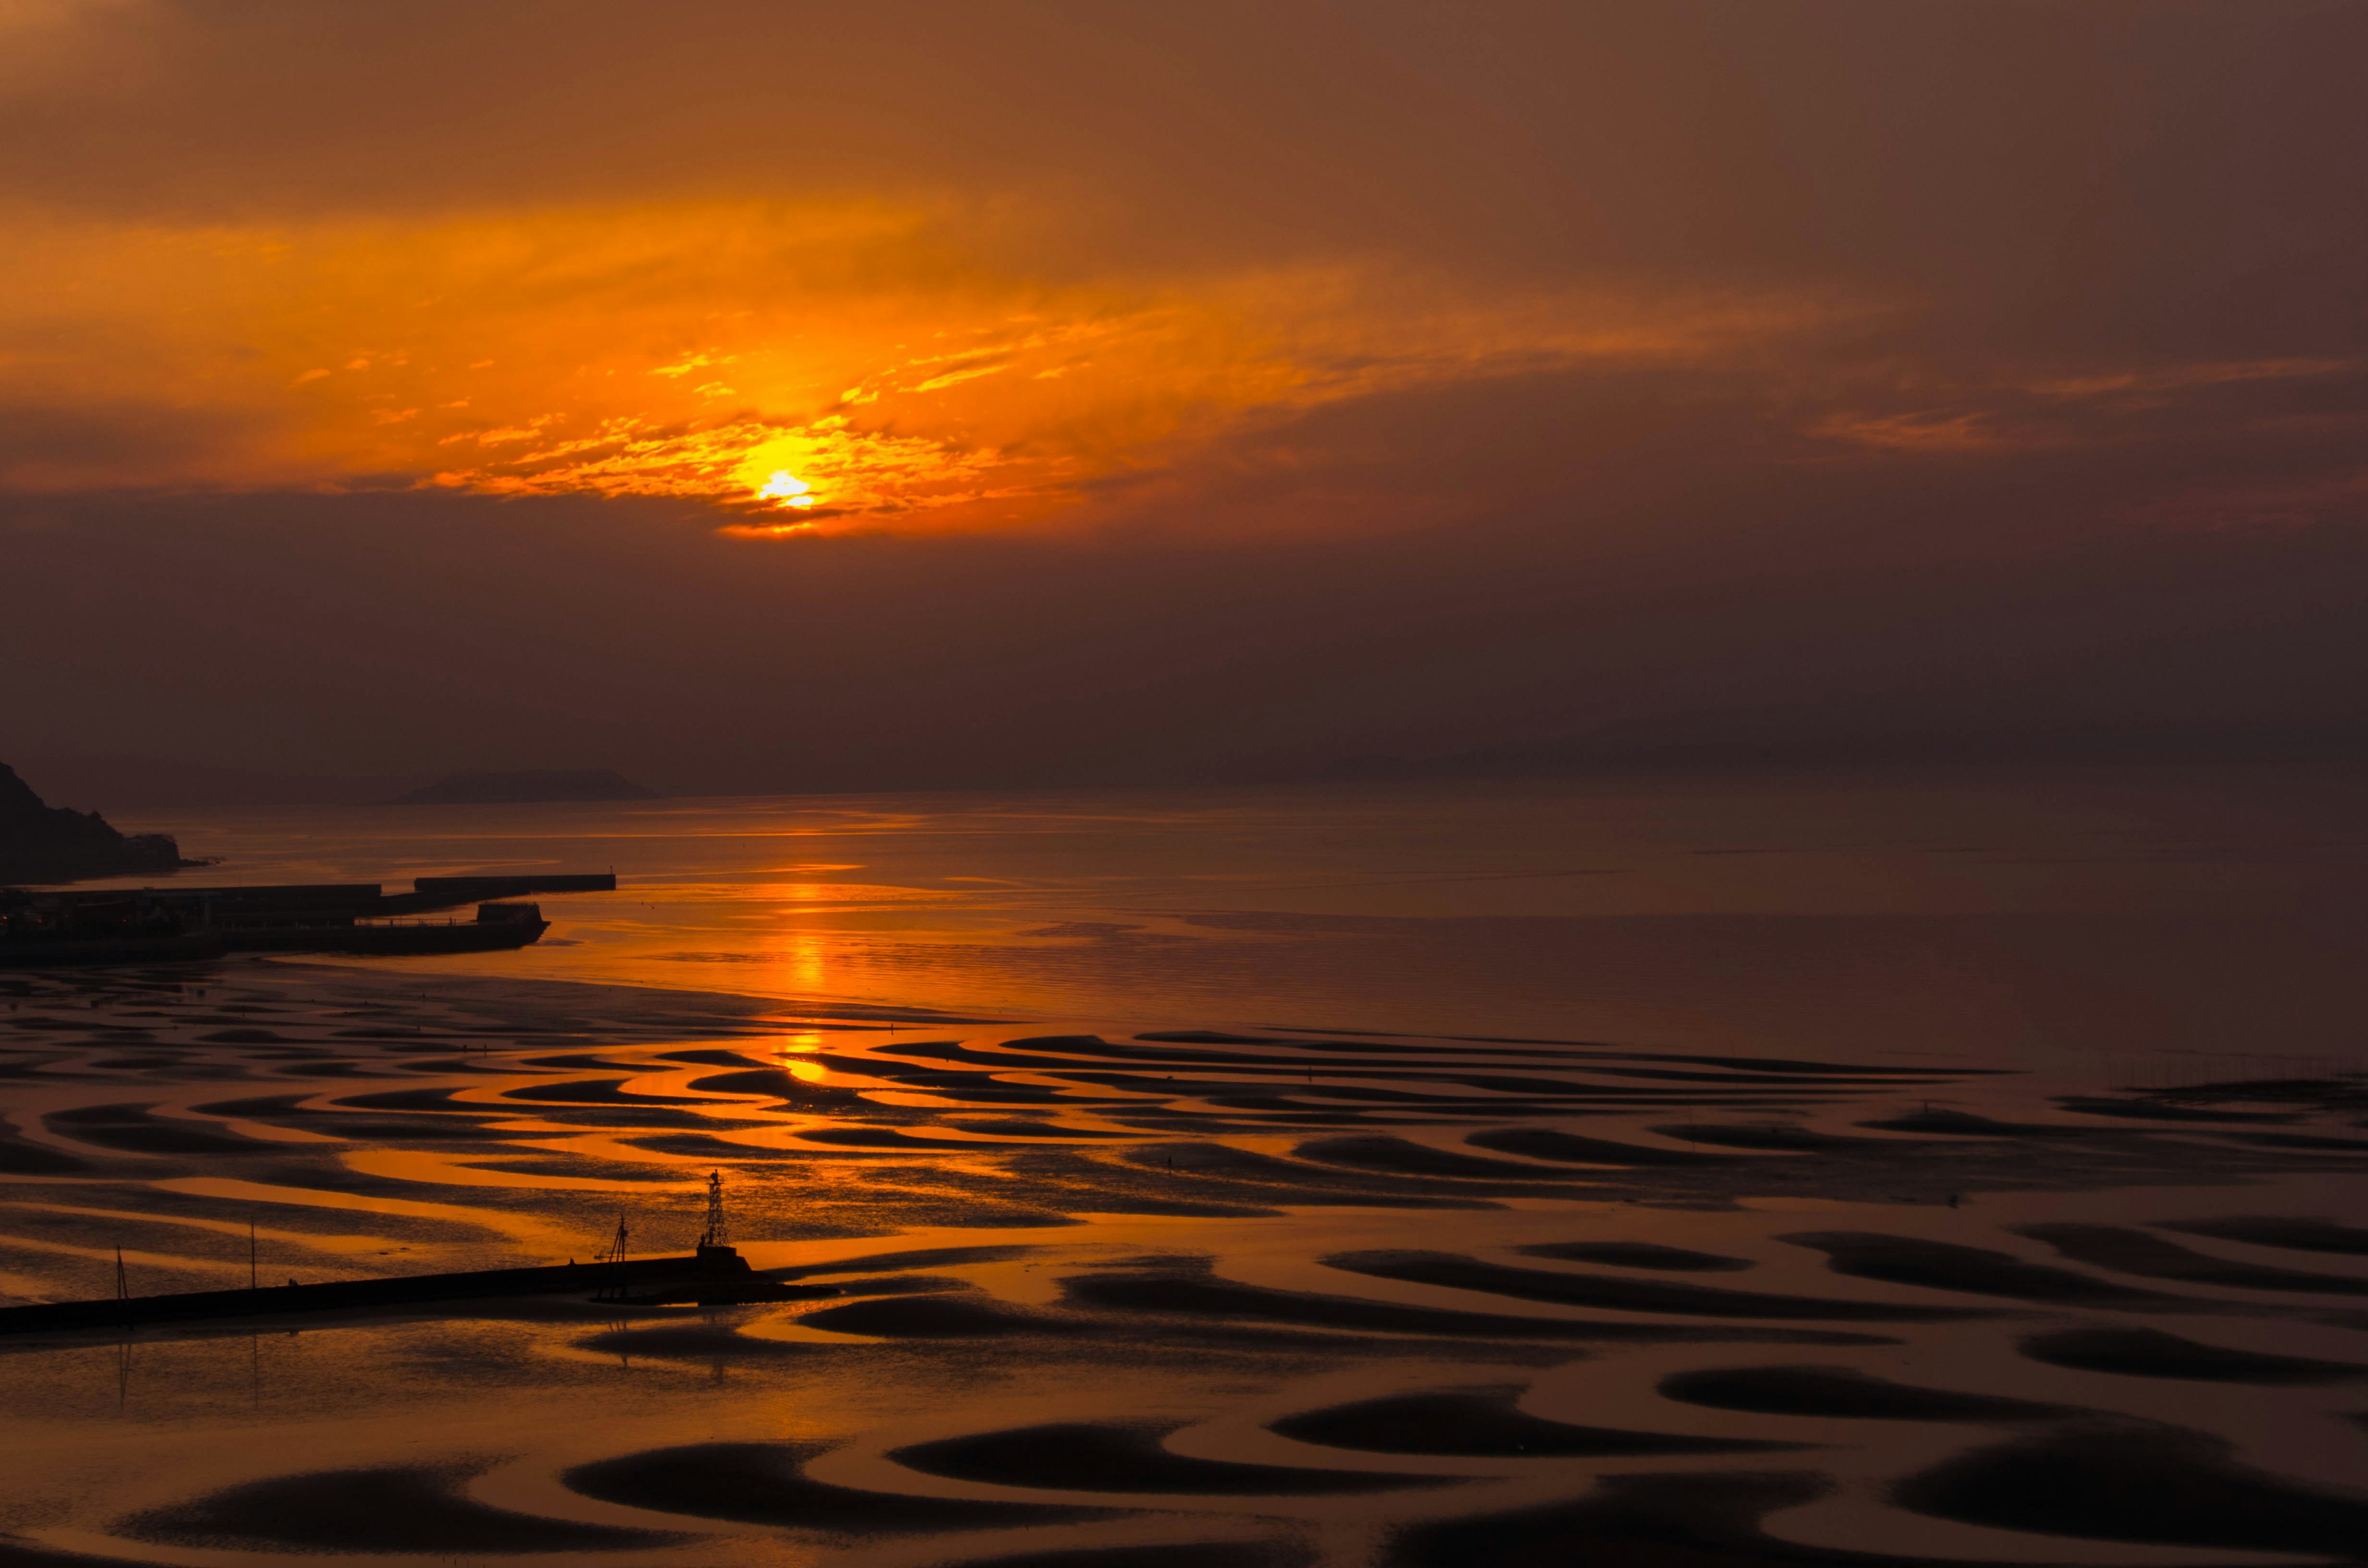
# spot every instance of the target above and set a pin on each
(168, 924)
(713, 1275)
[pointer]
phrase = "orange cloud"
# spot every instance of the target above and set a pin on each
(2092, 406)
(1921, 432)
(2184, 378)
(879, 357)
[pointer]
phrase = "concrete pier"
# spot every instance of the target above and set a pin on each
(710, 1276)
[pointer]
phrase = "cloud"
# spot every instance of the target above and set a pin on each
(1071, 262)
(1919, 432)
(1118, 374)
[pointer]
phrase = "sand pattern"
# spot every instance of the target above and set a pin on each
(1178, 1298)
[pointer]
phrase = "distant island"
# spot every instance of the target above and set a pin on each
(1876, 735)
(41, 842)
(529, 787)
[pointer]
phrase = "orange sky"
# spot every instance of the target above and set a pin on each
(854, 365)
(1619, 307)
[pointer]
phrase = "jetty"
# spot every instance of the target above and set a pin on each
(162, 925)
(709, 1277)
(714, 1274)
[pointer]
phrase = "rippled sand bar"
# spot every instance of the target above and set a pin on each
(1116, 1295)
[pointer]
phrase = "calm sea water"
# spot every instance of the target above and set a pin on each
(2193, 917)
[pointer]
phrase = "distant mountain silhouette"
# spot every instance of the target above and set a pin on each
(40, 843)
(1820, 738)
(525, 787)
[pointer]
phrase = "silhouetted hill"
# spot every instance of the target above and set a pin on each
(525, 787)
(40, 843)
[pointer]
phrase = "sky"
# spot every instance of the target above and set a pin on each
(759, 397)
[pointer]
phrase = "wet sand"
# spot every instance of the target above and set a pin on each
(1181, 1296)
(409, 1510)
(763, 1484)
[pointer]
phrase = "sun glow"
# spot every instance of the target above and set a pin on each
(787, 489)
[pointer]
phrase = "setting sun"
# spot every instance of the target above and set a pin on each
(787, 489)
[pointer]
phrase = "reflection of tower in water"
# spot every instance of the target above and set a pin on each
(123, 1347)
(717, 1237)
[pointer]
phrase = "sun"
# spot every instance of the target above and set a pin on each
(787, 489)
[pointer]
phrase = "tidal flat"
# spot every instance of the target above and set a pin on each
(1204, 1298)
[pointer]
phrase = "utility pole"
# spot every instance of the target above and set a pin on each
(614, 1258)
(250, 1252)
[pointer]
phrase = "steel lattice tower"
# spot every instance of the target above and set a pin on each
(718, 1233)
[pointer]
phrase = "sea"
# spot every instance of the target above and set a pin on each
(1764, 1171)
(2180, 918)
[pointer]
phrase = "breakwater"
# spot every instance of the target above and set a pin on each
(709, 1277)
